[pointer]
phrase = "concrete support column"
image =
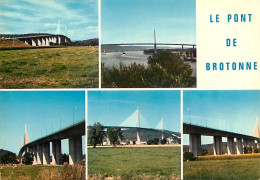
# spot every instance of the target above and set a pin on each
(75, 149)
(239, 147)
(59, 40)
(34, 155)
(56, 152)
(33, 42)
(195, 144)
(138, 139)
(39, 42)
(217, 147)
(47, 43)
(39, 153)
(258, 144)
(43, 42)
(46, 153)
(230, 145)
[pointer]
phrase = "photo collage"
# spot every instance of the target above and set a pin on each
(129, 89)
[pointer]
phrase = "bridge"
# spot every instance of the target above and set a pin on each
(134, 121)
(154, 44)
(41, 39)
(40, 148)
(233, 147)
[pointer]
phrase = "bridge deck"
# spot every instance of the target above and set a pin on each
(195, 129)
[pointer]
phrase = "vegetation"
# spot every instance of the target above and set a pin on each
(27, 158)
(64, 158)
(164, 69)
(227, 157)
(96, 134)
(154, 141)
(188, 156)
(7, 157)
(43, 172)
(114, 135)
(69, 67)
(222, 169)
(134, 163)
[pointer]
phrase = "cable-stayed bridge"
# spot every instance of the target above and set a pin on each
(137, 121)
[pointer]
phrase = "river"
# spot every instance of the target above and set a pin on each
(115, 58)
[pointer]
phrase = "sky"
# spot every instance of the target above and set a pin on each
(43, 112)
(134, 21)
(234, 111)
(111, 108)
(76, 19)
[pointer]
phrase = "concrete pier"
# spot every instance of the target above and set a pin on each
(239, 147)
(75, 149)
(217, 145)
(230, 146)
(34, 155)
(195, 144)
(56, 152)
(46, 153)
(39, 153)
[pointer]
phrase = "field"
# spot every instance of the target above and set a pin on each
(67, 67)
(134, 163)
(43, 172)
(222, 169)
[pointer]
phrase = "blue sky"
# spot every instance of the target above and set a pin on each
(133, 21)
(42, 112)
(113, 107)
(79, 18)
(234, 111)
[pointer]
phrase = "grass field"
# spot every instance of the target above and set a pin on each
(134, 163)
(222, 169)
(69, 67)
(43, 172)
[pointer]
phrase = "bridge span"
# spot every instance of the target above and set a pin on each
(43, 39)
(154, 44)
(40, 148)
(233, 147)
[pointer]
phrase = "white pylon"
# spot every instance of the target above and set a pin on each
(256, 132)
(26, 137)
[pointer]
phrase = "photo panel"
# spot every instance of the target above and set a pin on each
(134, 135)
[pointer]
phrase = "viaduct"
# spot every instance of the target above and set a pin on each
(233, 147)
(40, 148)
(42, 39)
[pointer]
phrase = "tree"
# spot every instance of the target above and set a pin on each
(155, 141)
(9, 158)
(163, 141)
(114, 135)
(27, 158)
(96, 134)
(64, 158)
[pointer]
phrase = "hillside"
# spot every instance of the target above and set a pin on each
(4, 43)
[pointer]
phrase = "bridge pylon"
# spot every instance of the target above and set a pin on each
(138, 139)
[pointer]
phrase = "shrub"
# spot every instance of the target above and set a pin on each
(248, 150)
(256, 150)
(188, 156)
(203, 152)
(164, 69)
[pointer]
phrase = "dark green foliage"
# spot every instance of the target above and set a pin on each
(203, 152)
(256, 150)
(64, 158)
(114, 135)
(163, 141)
(96, 134)
(188, 156)
(155, 141)
(164, 69)
(248, 150)
(149, 142)
(8, 158)
(27, 158)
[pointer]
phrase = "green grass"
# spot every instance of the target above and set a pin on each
(134, 163)
(222, 169)
(70, 67)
